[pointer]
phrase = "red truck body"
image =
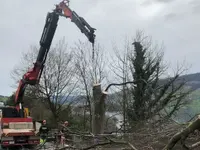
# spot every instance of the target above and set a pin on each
(17, 131)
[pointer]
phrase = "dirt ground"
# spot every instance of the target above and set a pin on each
(146, 138)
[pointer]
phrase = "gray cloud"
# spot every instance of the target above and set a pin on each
(164, 1)
(150, 2)
(195, 4)
(170, 16)
(174, 22)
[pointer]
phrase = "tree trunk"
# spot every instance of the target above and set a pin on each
(124, 108)
(183, 135)
(98, 109)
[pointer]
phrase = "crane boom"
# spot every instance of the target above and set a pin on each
(32, 77)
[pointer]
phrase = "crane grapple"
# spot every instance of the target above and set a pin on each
(85, 28)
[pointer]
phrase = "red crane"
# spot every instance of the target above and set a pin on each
(32, 77)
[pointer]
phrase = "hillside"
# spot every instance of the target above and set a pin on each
(193, 80)
(3, 98)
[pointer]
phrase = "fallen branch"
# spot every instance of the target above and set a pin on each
(195, 145)
(67, 147)
(69, 131)
(183, 135)
(101, 144)
(124, 142)
(98, 144)
(109, 142)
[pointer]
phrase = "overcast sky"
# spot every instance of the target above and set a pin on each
(175, 22)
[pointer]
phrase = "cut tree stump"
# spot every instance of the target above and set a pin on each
(99, 109)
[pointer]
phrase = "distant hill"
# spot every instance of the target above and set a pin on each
(193, 80)
(3, 98)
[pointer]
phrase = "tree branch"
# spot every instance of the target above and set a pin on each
(119, 84)
(183, 135)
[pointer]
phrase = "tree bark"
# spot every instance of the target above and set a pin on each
(99, 109)
(183, 135)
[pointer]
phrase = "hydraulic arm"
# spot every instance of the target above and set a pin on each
(32, 77)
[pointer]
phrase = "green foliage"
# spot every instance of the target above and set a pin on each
(78, 123)
(11, 100)
(64, 115)
(3, 98)
(151, 96)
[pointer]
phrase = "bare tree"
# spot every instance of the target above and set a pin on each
(122, 74)
(90, 71)
(57, 83)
